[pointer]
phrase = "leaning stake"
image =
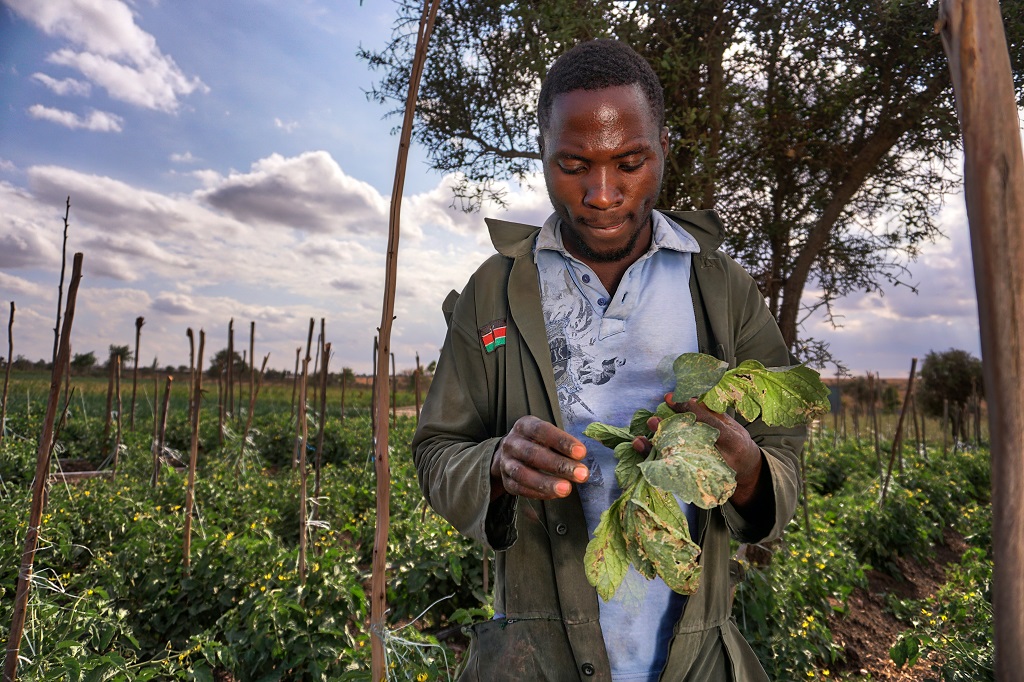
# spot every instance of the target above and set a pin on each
(378, 585)
(39, 484)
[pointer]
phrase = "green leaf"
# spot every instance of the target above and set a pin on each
(696, 374)
(781, 396)
(626, 471)
(689, 465)
(664, 411)
(455, 568)
(605, 559)
(609, 436)
(638, 424)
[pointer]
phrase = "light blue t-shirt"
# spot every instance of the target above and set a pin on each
(613, 355)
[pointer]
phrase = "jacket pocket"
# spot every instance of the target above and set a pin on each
(519, 649)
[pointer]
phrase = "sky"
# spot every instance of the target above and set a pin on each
(223, 162)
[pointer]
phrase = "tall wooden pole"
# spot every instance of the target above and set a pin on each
(378, 584)
(973, 37)
(39, 483)
(193, 455)
(139, 321)
(7, 372)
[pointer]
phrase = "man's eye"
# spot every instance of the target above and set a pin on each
(631, 167)
(572, 170)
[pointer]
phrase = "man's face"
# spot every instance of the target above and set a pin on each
(604, 157)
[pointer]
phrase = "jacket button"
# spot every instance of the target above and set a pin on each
(587, 669)
(561, 529)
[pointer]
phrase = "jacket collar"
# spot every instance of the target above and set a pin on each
(516, 239)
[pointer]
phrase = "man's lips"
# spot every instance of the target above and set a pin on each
(606, 226)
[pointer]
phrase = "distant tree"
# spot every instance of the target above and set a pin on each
(953, 375)
(891, 399)
(119, 352)
(432, 366)
(83, 362)
(823, 132)
(220, 364)
(860, 390)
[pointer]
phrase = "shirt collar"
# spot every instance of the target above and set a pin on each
(667, 235)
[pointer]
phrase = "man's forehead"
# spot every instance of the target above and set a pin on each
(611, 106)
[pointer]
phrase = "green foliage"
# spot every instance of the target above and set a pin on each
(83, 362)
(645, 526)
(812, 118)
(956, 622)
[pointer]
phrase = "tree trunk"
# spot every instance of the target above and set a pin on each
(972, 34)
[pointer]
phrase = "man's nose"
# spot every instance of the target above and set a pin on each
(602, 191)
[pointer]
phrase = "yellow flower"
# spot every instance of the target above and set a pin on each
(227, 538)
(422, 677)
(825, 672)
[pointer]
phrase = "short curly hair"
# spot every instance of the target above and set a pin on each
(597, 64)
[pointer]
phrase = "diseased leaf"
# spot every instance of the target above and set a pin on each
(781, 396)
(669, 548)
(605, 560)
(689, 465)
(609, 436)
(645, 526)
(695, 374)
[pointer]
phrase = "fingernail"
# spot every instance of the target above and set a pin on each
(563, 488)
(580, 473)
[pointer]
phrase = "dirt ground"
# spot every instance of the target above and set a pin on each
(868, 630)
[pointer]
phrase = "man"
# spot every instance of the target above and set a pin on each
(576, 322)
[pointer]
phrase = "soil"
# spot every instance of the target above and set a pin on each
(869, 629)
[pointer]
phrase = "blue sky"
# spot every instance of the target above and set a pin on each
(223, 162)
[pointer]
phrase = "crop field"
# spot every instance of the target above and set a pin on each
(111, 598)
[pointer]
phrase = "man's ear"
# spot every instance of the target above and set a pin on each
(664, 140)
(540, 143)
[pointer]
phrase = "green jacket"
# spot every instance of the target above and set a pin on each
(550, 629)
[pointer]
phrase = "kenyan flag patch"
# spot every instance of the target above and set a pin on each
(492, 335)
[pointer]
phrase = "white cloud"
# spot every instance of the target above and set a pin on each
(183, 158)
(64, 86)
(288, 127)
(309, 192)
(7, 166)
(98, 121)
(111, 50)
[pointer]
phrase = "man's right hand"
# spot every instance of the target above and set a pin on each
(538, 460)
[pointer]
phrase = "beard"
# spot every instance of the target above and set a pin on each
(570, 232)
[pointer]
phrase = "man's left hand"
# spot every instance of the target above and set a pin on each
(734, 443)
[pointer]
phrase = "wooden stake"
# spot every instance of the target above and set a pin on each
(7, 372)
(158, 451)
(191, 367)
(60, 285)
(193, 455)
(973, 37)
(248, 418)
(304, 431)
(252, 367)
(139, 321)
(105, 447)
(897, 440)
(419, 371)
(326, 353)
(229, 387)
(378, 585)
(295, 378)
(117, 393)
(39, 484)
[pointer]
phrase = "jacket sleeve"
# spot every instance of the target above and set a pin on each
(758, 337)
(456, 436)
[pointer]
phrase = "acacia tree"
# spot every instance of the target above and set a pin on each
(822, 132)
(954, 377)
